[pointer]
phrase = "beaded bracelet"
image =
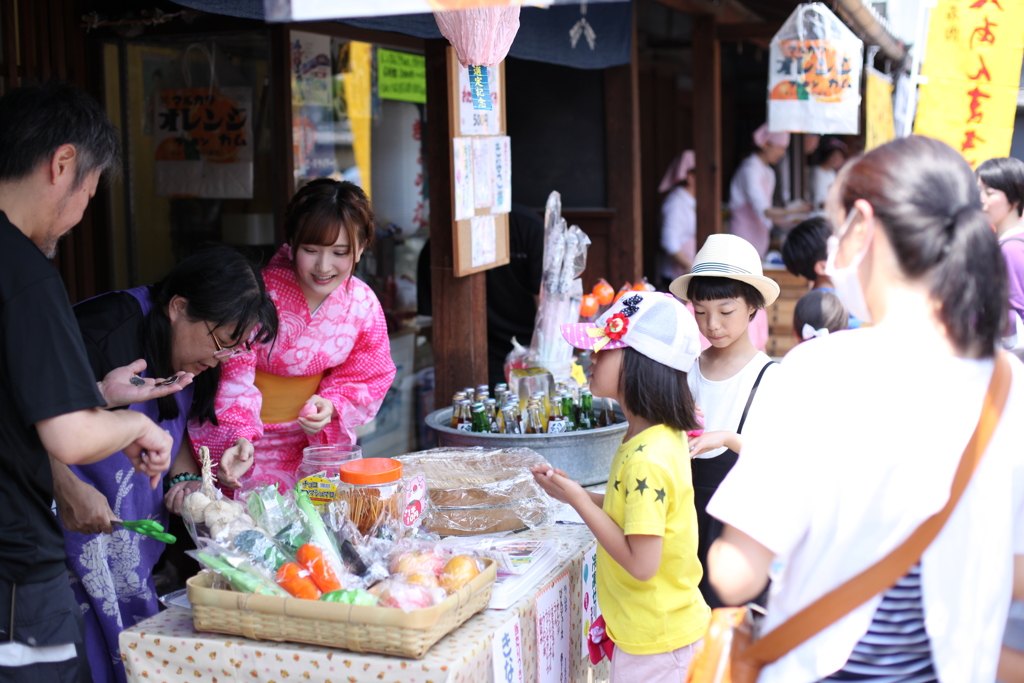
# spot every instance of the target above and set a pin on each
(178, 478)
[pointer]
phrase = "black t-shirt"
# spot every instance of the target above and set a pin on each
(44, 373)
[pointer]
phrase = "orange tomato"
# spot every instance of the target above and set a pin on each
(459, 571)
(588, 306)
(604, 292)
(312, 560)
(297, 582)
(643, 286)
(628, 287)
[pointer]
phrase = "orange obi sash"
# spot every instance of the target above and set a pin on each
(283, 397)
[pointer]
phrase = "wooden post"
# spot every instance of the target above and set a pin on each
(281, 122)
(459, 329)
(707, 125)
(622, 126)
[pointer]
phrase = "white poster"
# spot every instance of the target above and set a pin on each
(553, 632)
(311, 68)
(591, 611)
(473, 120)
(501, 158)
(463, 165)
(507, 653)
(483, 173)
(203, 142)
(814, 74)
(484, 236)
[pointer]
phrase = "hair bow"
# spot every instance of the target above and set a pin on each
(809, 332)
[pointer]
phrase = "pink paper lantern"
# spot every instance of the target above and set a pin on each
(481, 36)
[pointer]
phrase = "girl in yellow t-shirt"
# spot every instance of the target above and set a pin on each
(645, 524)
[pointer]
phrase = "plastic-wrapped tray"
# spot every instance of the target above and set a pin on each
(360, 628)
(480, 491)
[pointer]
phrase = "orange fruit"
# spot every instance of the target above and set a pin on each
(459, 571)
(604, 292)
(588, 306)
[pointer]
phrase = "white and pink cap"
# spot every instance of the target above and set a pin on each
(654, 323)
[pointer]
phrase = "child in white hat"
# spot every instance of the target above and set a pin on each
(645, 524)
(727, 288)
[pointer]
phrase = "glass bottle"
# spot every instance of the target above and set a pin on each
(491, 407)
(586, 420)
(569, 412)
(465, 420)
(459, 396)
(556, 421)
(499, 393)
(535, 424)
(480, 422)
(510, 417)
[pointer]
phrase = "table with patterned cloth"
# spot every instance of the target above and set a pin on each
(166, 648)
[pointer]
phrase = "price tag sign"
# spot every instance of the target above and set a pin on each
(507, 653)
(415, 499)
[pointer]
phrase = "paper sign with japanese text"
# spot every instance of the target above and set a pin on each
(972, 66)
(507, 652)
(401, 76)
(591, 611)
(814, 74)
(880, 127)
(463, 176)
(203, 142)
(474, 120)
(553, 612)
(485, 240)
(501, 157)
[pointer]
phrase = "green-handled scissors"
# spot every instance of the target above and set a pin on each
(149, 527)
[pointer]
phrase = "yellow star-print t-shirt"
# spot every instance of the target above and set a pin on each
(650, 492)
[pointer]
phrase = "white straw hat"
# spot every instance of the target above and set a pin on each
(728, 256)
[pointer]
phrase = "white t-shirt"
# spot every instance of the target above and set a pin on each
(821, 180)
(854, 445)
(750, 195)
(723, 401)
(678, 229)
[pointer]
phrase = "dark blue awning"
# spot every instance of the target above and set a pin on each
(543, 33)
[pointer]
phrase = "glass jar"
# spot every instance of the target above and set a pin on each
(320, 470)
(374, 492)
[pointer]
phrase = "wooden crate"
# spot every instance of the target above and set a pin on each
(780, 314)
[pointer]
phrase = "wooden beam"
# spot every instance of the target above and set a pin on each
(459, 329)
(283, 180)
(707, 126)
(622, 131)
(735, 33)
(381, 38)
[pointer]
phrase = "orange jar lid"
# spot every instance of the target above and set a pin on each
(371, 471)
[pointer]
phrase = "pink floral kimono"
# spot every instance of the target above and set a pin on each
(344, 343)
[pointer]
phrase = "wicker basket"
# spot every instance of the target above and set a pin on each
(360, 628)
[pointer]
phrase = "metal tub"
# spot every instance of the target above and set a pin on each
(585, 456)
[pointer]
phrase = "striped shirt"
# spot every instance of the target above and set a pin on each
(896, 648)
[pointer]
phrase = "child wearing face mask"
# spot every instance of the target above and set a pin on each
(727, 288)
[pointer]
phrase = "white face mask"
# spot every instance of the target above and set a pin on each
(845, 280)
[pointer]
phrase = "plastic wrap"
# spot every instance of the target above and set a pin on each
(481, 35)
(236, 569)
(480, 491)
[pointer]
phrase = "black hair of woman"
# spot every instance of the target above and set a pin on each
(1005, 174)
(222, 288)
(805, 246)
(821, 310)
(925, 198)
(655, 392)
(714, 288)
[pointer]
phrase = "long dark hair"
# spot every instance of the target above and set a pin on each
(223, 288)
(656, 392)
(926, 199)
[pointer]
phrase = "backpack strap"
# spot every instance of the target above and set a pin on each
(750, 398)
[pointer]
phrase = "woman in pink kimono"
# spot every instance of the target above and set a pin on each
(331, 349)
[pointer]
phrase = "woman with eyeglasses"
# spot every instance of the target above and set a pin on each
(331, 352)
(865, 430)
(207, 309)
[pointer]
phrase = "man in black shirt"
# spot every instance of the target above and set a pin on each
(55, 143)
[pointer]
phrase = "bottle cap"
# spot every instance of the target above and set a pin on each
(371, 471)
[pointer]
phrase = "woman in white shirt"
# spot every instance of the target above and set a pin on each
(863, 430)
(752, 189)
(679, 217)
(830, 157)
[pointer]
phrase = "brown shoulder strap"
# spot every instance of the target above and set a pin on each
(878, 578)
